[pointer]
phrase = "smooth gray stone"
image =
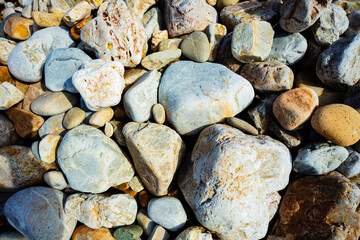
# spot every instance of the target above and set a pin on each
(338, 66)
(35, 149)
(319, 158)
(91, 161)
(198, 94)
(354, 26)
(61, 64)
(152, 21)
(167, 212)
(12, 236)
(26, 61)
(351, 166)
(38, 213)
(287, 48)
(196, 47)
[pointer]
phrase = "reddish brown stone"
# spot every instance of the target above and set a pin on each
(26, 123)
(5, 75)
(32, 93)
(85, 233)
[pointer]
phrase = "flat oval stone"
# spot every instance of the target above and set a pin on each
(204, 93)
(48, 147)
(294, 107)
(53, 103)
(319, 158)
(42, 204)
(85, 233)
(74, 117)
(196, 47)
(53, 125)
(20, 168)
(99, 118)
(159, 114)
(60, 65)
(194, 233)
(47, 19)
(91, 161)
(268, 76)
(8, 135)
(344, 117)
(167, 212)
(6, 46)
(242, 125)
(352, 97)
(18, 28)
(10, 95)
(351, 166)
(158, 60)
(55, 179)
(338, 66)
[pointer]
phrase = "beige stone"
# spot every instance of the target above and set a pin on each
(135, 184)
(99, 118)
(242, 125)
(159, 233)
(77, 13)
(53, 125)
(18, 28)
(34, 91)
(169, 44)
(215, 32)
(10, 95)
(132, 75)
(44, 19)
(157, 37)
(6, 46)
(48, 147)
(194, 233)
(159, 114)
(139, 7)
(145, 222)
(73, 118)
(109, 129)
(159, 60)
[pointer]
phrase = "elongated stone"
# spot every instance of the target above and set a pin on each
(158, 60)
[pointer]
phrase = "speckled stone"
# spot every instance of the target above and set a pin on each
(132, 232)
(52, 125)
(196, 233)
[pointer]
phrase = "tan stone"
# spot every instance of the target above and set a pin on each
(158, 112)
(157, 37)
(108, 129)
(135, 184)
(348, 5)
(85, 233)
(5, 75)
(224, 3)
(18, 28)
(242, 125)
(169, 44)
(33, 91)
(6, 46)
(74, 117)
(159, 60)
(26, 123)
(194, 233)
(211, 2)
(77, 13)
(48, 147)
(99, 118)
(44, 19)
(139, 7)
(145, 222)
(159, 233)
(132, 75)
(338, 123)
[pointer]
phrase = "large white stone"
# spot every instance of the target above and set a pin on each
(198, 94)
(232, 180)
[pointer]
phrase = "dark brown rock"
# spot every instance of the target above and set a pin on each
(225, 56)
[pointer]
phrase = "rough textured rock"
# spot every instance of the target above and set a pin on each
(331, 24)
(289, 138)
(167, 212)
(207, 93)
(344, 117)
(354, 27)
(215, 33)
(234, 178)
(261, 113)
(18, 28)
(152, 21)
(351, 166)
(8, 135)
(91, 161)
(349, 6)
(101, 85)
(52, 125)
(20, 168)
(157, 37)
(55, 179)
(139, 99)
(60, 66)
(116, 35)
(158, 60)
(338, 66)
(187, 16)
(77, 13)
(196, 233)
(251, 42)
(6, 46)
(128, 232)
(268, 76)
(196, 47)
(250, 10)
(10, 95)
(169, 44)
(287, 48)
(85, 233)
(139, 7)
(352, 97)
(321, 207)
(225, 56)
(296, 16)
(96, 211)
(34, 91)
(319, 158)
(46, 206)
(157, 151)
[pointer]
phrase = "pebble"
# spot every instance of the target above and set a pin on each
(289, 138)
(55, 179)
(73, 118)
(242, 125)
(167, 212)
(46, 19)
(352, 97)
(7, 12)
(6, 46)
(157, 37)
(225, 56)
(248, 11)
(8, 135)
(313, 206)
(27, 59)
(158, 60)
(244, 170)
(196, 233)
(349, 6)
(77, 13)
(53, 125)
(331, 24)
(96, 211)
(26, 12)
(26, 123)
(287, 48)
(169, 44)
(196, 47)
(119, 137)
(99, 118)
(135, 184)
(91, 161)
(183, 96)
(296, 16)
(251, 42)
(76, 29)
(132, 232)
(159, 233)
(158, 113)
(53, 103)
(224, 3)
(183, 16)
(35, 149)
(42, 204)
(18, 28)
(354, 27)
(20, 168)
(60, 65)
(34, 91)
(268, 76)
(319, 158)
(100, 86)
(351, 166)
(139, 7)
(108, 129)
(215, 33)
(344, 117)
(157, 151)
(85, 233)
(2, 23)
(294, 107)
(48, 147)
(152, 21)
(140, 98)
(132, 75)
(118, 28)
(10, 95)
(337, 66)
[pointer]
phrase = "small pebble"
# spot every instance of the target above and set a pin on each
(224, 3)
(35, 149)
(159, 60)
(55, 179)
(99, 118)
(159, 233)
(132, 232)
(169, 44)
(145, 222)
(48, 147)
(242, 125)
(136, 184)
(158, 112)
(85, 233)
(77, 13)
(73, 118)
(157, 37)
(53, 125)
(196, 47)
(108, 129)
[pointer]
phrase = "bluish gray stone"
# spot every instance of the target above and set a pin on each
(61, 64)
(319, 158)
(198, 94)
(167, 212)
(354, 26)
(287, 48)
(26, 61)
(351, 166)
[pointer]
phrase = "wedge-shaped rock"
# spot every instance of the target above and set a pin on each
(157, 151)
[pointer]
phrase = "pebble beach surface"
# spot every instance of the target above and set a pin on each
(179, 119)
